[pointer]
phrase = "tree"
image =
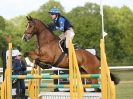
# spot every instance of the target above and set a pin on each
(87, 25)
(118, 23)
(2, 23)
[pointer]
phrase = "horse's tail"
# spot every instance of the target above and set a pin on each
(114, 78)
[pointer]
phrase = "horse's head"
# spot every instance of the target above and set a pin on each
(38, 28)
(30, 29)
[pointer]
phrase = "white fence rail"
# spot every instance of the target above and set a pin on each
(121, 67)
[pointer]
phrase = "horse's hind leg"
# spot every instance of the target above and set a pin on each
(84, 80)
(92, 71)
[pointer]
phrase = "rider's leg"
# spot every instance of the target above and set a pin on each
(62, 36)
(69, 36)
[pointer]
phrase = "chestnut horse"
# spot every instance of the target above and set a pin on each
(49, 50)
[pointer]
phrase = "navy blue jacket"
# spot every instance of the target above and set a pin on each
(60, 23)
(19, 67)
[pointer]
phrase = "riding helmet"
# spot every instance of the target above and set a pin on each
(54, 10)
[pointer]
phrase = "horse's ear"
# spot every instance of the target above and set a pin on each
(28, 18)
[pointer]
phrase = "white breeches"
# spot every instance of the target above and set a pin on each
(69, 35)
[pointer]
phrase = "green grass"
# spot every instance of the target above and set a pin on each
(124, 91)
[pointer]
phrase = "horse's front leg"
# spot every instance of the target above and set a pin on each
(36, 56)
(32, 54)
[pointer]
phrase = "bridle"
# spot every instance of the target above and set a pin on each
(29, 34)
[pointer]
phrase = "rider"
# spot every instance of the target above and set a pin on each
(61, 23)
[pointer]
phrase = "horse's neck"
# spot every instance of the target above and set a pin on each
(45, 37)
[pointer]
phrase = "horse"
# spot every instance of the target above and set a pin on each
(49, 51)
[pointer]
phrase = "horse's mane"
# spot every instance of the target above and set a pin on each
(44, 26)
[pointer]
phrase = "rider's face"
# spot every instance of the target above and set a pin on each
(53, 16)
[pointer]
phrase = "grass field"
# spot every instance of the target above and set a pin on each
(124, 91)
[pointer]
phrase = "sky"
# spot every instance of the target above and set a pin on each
(13, 8)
